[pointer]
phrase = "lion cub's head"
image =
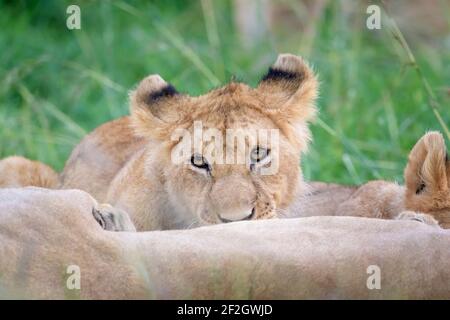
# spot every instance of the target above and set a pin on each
(427, 178)
(233, 153)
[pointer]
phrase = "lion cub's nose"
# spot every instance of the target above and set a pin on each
(237, 215)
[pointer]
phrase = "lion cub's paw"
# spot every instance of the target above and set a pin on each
(421, 217)
(113, 219)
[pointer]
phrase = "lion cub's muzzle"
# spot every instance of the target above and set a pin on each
(236, 198)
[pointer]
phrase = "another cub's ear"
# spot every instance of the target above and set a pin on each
(289, 91)
(426, 171)
(155, 107)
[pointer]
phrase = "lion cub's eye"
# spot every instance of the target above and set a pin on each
(259, 154)
(199, 162)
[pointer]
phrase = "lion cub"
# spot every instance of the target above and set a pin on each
(129, 163)
(425, 196)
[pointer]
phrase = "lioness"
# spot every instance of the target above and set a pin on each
(44, 234)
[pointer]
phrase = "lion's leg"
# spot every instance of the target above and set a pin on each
(113, 219)
(418, 216)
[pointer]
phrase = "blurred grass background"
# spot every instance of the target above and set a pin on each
(58, 84)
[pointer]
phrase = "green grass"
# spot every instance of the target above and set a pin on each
(56, 85)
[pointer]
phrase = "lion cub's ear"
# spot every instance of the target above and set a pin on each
(155, 107)
(427, 167)
(289, 90)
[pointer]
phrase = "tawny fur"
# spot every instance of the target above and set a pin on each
(96, 160)
(127, 162)
(20, 172)
(425, 196)
(43, 232)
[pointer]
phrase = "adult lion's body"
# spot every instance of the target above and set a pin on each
(46, 234)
